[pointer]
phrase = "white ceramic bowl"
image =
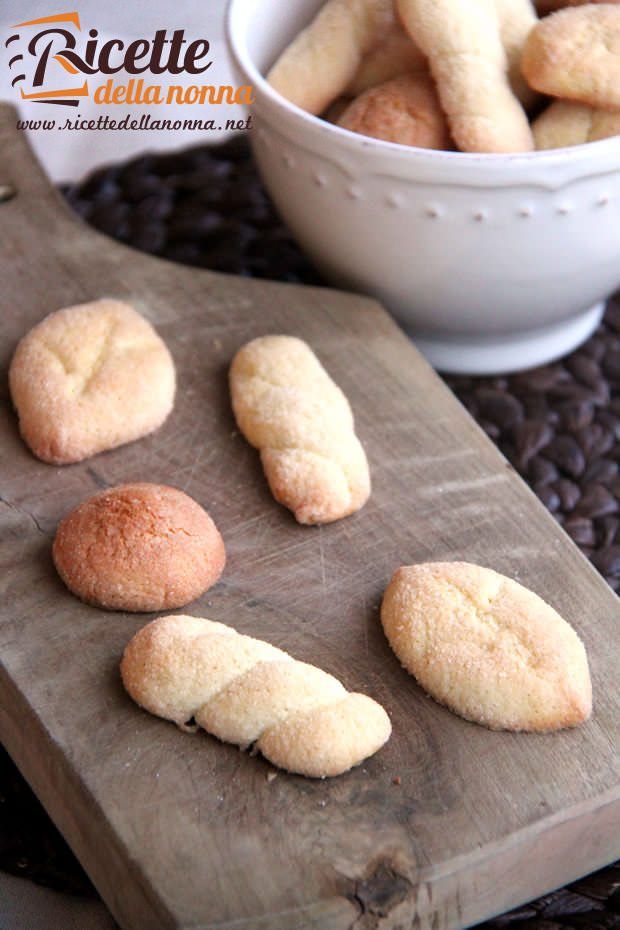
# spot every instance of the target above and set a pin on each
(492, 262)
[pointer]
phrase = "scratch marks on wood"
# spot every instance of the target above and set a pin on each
(25, 513)
(322, 559)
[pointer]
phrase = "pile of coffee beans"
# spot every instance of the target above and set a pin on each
(558, 425)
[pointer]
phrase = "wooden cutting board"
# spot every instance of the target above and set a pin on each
(449, 823)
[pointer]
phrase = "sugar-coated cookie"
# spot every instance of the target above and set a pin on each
(322, 60)
(89, 378)
(404, 110)
(575, 54)
(565, 123)
(516, 20)
(396, 55)
(139, 547)
(287, 406)
(486, 647)
(467, 58)
(247, 692)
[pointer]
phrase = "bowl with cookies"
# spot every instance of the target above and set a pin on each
(461, 164)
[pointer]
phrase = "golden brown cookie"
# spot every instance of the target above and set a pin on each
(486, 647)
(139, 547)
(565, 123)
(575, 54)
(247, 692)
(516, 20)
(89, 378)
(468, 61)
(287, 406)
(322, 60)
(404, 110)
(396, 55)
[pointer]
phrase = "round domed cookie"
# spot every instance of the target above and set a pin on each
(139, 547)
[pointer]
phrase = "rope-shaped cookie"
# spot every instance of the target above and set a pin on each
(468, 61)
(516, 20)
(397, 54)
(319, 63)
(566, 123)
(245, 691)
(287, 406)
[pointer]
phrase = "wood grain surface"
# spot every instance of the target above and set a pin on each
(181, 831)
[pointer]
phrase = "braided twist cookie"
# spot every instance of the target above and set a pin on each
(575, 54)
(516, 19)
(245, 691)
(319, 63)
(396, 55)
(468, 61)
(565, 123)
(90, 378)
(486, 647)
(287, 406)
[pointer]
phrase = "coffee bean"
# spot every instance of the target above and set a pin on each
(574, 416)
(202, 176)
(192, 225)
(584, 369)
(611, 365)
(548, 496)
(594, 348)
(601, 470)
(530, 437)
(568, 493)
(540, 379)
(535, 406)
(571, 390)
(597, 501)
(97, 182)
(141, 187)
(612, 317)
(610, 423)
(188, 253)
(608, 561)
(541, 471)
(149, 237)
(135, 172)
(108, 193)
(111, 218)
(594, 440)
(606, 530)
(580, 530)
(565, 452)
(156, 207)
(174, 164)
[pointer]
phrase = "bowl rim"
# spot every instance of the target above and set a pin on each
(565, 157)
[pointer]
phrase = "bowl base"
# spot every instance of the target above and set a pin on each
(511, 353)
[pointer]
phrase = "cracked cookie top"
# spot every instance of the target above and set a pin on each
(139, 547)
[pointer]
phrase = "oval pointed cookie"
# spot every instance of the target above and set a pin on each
(486, 647)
